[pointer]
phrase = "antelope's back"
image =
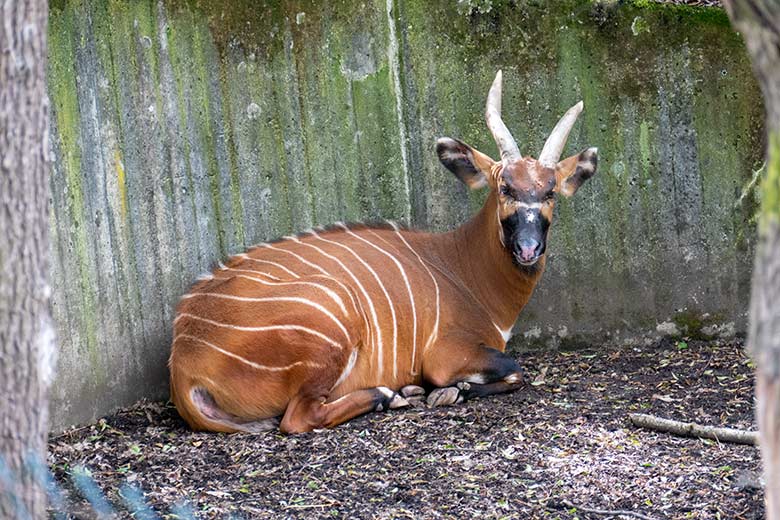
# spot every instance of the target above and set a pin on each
(321, 292)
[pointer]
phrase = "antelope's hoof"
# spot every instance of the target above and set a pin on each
(391, 400)
(444, 396)
(398, 402)
(412, 391)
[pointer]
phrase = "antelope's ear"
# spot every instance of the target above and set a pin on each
(471, 166)
(572, 172)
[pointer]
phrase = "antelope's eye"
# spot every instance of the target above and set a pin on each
(549, 197)
(505, 191)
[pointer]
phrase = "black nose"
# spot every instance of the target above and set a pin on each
(528, 249)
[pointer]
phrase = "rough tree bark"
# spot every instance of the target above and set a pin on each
(27, 346)
(759, 22)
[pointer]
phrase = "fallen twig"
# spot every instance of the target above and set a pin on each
(70, 432)
(613, 512)
(308, 506)
(694, 430)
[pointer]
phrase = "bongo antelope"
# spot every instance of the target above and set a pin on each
(321, 327)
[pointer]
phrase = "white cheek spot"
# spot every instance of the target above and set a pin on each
(530, 217)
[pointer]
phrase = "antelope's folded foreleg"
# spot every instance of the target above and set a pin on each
(307, 412)
(462, 372)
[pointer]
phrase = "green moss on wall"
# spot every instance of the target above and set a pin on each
(243, 22)
(685, 13)
(65, 109)
(225, 124)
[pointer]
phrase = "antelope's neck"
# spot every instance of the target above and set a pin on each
(479, 259)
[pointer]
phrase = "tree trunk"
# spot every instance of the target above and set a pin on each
(759, 22)
(27, 347)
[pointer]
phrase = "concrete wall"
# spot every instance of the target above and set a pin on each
(185, 131)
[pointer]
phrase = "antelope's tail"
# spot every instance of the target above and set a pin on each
(198, 407)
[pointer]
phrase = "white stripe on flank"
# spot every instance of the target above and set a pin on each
(324, 272)
(380, 361)
(347, 369)
(244, 360)
(260, 329)
(297, 256)
(371, 308)
(280, 266)
(293, 299)
(408, 289)
(435, 331)
(340, 284)
(277, 281)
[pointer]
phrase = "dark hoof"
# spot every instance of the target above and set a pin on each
(390, 401)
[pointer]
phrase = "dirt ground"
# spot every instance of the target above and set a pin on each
(560, 448)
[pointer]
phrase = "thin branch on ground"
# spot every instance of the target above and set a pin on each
(606, 512)
(70, 432)
(685, 429)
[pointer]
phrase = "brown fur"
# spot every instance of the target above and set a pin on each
(273, 332)
(479, 289)
(472, 298)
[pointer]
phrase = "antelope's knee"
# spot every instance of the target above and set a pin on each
(303, 415)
